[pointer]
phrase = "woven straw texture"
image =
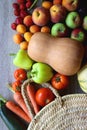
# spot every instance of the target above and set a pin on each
(70, 115)
(64, 113)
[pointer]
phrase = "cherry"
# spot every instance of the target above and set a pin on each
(15, 5)
(23, 13)
(13, 26)
(22, 6)
(16, 12)
(19, 20)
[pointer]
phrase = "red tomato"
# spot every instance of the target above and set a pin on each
(60, 81)
(16, 86)
(20, 74)
(44, 96)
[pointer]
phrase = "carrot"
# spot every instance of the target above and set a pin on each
(31, 93)
(20, 101)
(17, 110)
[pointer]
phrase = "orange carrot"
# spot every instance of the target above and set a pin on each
(31, 93)
(17, 110)
(20, 101)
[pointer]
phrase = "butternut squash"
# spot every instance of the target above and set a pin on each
(64, 55)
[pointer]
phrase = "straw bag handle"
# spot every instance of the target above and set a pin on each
(27, 101)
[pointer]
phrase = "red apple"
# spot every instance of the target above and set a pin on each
(70, 5)
(40, 16)
(58, 13)
(78, 34)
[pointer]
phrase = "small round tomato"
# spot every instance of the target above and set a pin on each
(60, 81)
(16, 86)
(20, 74)
(44, 96)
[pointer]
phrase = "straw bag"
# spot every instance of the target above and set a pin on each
(64, 113)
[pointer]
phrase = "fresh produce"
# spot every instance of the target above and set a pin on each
(78, 34)
(82, 78)
(70, 5)
(57, 1)
(45, 29)
(20, 101)
(61, 57)
(18, 111)
(47, 4)
(44, 96)
(28, 20)
(22, 60)
(85, 23)
(58, 13)
(16, 86)
(41, 73)
(12, 106)
(73, 20)
(55, 52)
(21, 28)
(17, 38)
(10, 119)
(40, 16)
(59, 30)
(27, 36)
(60, 81)
(20, 74)
(34, 28)
(24, 45)
(31, 94)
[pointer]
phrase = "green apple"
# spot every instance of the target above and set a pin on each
(73, 20)
(85, 23)
(41, 72)
(78, 34)
(59, 29)
(82, 78)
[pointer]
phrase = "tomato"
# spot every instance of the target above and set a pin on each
(16, 86)
(44, 96)
(20, 74)
(60, 81)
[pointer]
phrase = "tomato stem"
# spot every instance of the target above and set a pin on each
(58, 79)
(10, 88)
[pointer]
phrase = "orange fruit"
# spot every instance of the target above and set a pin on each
(21, 28)
(17, 38)
(27, 36)
(34, 28)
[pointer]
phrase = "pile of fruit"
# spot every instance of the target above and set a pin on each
(59, 19)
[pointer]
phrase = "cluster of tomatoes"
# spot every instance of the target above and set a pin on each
(43, 95)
